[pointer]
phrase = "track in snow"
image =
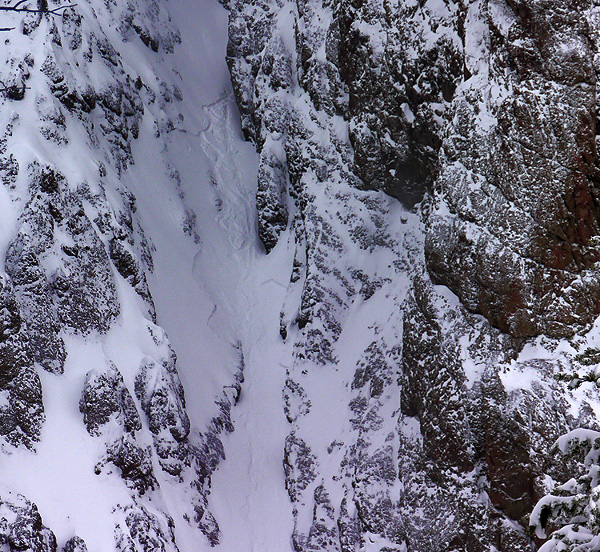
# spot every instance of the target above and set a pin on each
(249, 497)
(247, 288)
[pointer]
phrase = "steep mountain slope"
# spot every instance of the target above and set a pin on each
(361, 329)
(98, 232)
(485, 111)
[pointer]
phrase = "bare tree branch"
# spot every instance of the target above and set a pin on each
(17, 8)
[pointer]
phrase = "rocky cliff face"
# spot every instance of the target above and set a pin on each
(522, 216)
(429, 168)
(483, 113)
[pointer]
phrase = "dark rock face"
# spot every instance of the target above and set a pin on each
(434, 385)
(106, 403)
(271, 200)
(23, 416)
(160, 393)
(104, 398)
(21, 526)
(76, 544)
(22, 409)
(266, 124)
(468, 84)
(515, 202)
(486, 114)
(140, 530)
(503, 435)
(130, 268)
(300, 466)
(520, 428)
(401, 66)
(74, 248)
(55, 295)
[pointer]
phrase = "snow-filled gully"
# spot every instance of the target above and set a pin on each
(218, 171)
(249, 497)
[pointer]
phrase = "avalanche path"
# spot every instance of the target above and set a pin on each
(249, 497)
(229, 292)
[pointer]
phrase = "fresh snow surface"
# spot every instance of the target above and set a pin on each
(223, 290)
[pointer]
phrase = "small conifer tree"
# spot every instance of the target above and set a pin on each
(572, 510)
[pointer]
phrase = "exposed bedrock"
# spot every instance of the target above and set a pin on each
(515, 211)
(22, 527)
(73, 245)
(484, 112)
(496, 434)
(491, 103)
(22, 409)
(75, 544)
(401, 63)
(109, 410)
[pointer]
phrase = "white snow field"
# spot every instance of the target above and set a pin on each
(238, 282)
(239, 285)
(222, 290)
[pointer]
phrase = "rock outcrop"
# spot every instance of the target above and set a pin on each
(515, 209)
(483, 115)
(21, 526)
(432, 165)
(109, 410)
(22, 410)
(75, 544)
(138, 529)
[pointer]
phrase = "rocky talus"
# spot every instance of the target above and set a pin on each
(435, 164)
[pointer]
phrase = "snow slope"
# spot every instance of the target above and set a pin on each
(238, 289)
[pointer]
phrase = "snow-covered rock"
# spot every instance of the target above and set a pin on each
(398, 289)
(483, 113)
(82, 86)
